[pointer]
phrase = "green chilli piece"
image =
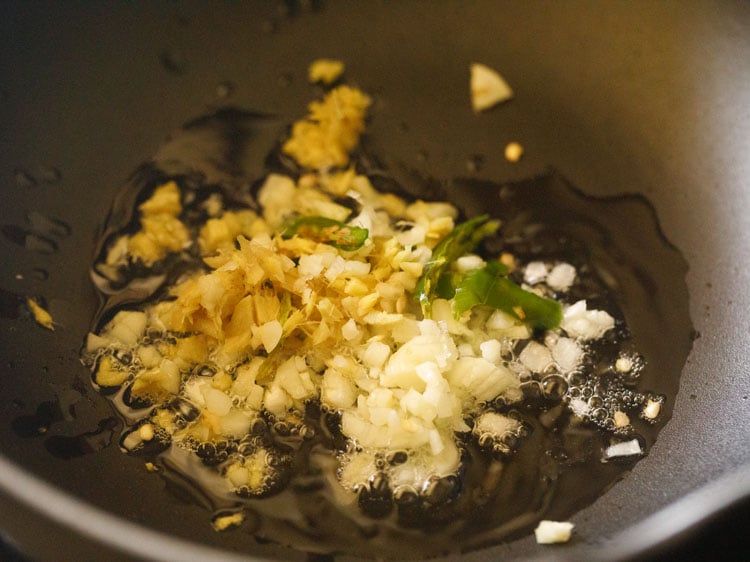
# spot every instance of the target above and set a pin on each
(327, 231)
(461, 240)
(489, 286)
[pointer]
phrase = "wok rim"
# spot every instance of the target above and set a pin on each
(674, 523)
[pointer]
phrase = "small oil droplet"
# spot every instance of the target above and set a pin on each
(224, 89)
(173, 61)
(475, 163)
(285, 80)
(39, 274)
(23, 178)
(271, 26)
(14, 234)
(48, 174)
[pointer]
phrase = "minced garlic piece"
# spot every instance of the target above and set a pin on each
(42, 317)
(550, 532)
(326, 71)
(331, 129)
(146, 432)
(621, 419)
(624, 365)
(487, 87)
(652, 409)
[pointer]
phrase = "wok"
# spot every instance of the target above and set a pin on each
(647, 98)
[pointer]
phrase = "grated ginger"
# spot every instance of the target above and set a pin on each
(326, 71)
(330, 131)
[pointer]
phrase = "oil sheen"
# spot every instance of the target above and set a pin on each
(625, 267)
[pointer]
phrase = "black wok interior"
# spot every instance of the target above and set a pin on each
(640, 97)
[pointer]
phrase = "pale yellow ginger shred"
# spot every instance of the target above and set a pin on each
(326, 71)
(330, 131)
(228, 521)
(42, 317)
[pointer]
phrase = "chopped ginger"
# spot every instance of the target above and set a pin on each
(42, 317)
(225, 522)
(330, 131)
(326, 71)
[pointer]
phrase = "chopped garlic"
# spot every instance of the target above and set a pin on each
(495, 424)
(146, 432)
(623, 449)
(561, 277)
(623, 364)
(536, 357)
(567, 353)
(621, 419)
(551, 532)
(579, 322)
(487, 88)
(535, 272)
(652, 410)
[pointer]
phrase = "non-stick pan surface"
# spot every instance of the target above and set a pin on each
(649, 98)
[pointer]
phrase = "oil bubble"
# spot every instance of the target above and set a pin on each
(173, 61)
(224, 89)
(23, 178)
(282, 428)
(397, 457)
(554, 387)
(375, 502)
(186, 409)
(474, 163)
(405, 494)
